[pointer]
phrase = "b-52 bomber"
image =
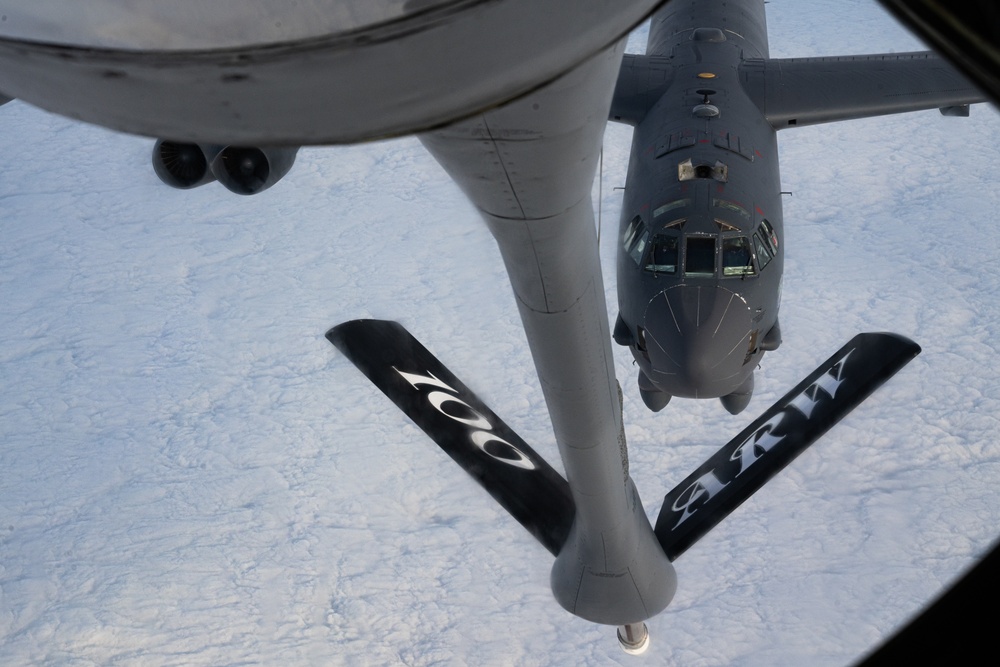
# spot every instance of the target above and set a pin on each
(702, 234)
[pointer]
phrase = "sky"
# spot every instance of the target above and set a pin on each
(190, 474)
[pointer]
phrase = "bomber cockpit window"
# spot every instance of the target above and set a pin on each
(725, 226)
(630, 230)
(663, 256)
(737, 260)
(670, 206)
(634, 239)
(700, 253)
(764, 255)
(767, 234)
(732, 207)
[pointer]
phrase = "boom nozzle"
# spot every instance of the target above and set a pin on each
(634, 638)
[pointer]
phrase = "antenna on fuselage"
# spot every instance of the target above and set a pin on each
(706, 109)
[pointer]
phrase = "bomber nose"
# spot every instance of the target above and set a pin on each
(698, 339)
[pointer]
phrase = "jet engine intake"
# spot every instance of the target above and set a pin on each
(249, 170)
(184, 166)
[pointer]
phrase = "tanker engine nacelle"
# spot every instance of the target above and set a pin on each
(243, 170)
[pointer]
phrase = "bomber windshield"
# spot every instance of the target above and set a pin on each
(700, 256)
(736, 257)
(764, 255)
(663, 255)
(634, 239)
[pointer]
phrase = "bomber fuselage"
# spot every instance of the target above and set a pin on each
(701, 239)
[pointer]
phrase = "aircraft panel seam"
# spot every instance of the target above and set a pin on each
(723, 317)
(496, 150)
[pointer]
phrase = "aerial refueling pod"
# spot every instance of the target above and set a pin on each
(182, 165)
(248, 170)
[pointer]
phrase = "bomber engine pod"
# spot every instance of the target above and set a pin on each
(182, 165)
(249, 170)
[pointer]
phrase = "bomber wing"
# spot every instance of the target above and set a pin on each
(793, 92)
(642, 80)
(254, 72)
